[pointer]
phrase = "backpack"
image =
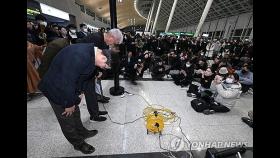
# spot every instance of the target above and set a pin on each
(217, 107)
(193, 89)
(199, 105)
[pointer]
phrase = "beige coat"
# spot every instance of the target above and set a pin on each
(33, 52)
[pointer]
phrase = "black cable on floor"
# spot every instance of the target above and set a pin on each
(119, 122)
(138, 95)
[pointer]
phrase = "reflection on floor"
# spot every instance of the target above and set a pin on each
(45, 138)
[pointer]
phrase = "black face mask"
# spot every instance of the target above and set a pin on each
(243, 71)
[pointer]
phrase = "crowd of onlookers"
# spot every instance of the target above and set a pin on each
(220, 68)
(186, 59)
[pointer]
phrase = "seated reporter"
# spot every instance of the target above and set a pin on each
(206, 80)
(226, 91)
(158, 71)
(246, 78)
(131, 67)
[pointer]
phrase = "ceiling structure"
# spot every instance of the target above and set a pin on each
(187, 12)
(125, 11)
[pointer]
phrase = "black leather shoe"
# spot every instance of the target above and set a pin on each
(90, 133)
(85, 148)
(99, 119)
(106, 98)
(102, 113)
(102, 100)
(248, 121)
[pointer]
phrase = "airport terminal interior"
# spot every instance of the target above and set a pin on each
(140, 78)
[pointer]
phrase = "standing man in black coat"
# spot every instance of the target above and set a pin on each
(70, 74)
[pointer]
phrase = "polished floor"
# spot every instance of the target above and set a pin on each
(45, 139)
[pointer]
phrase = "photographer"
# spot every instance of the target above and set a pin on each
(158, 71)
(226, 91)
(207, 77)
(185, 76)
(146, 62)
(246, 77)
(199, 68)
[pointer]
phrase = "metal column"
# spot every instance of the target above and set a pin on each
(150, 27)
(251, 35)
(113, 13)
(156, 18)
(150, 17)
(115, 63)
(203, 17)
(171, 15)
(147, 20)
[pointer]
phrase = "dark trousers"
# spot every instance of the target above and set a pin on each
(131, 74)
(245, 87)
(71, 126)
(91, 100)
(98, 81)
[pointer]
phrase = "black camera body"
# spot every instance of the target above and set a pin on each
(214, 153)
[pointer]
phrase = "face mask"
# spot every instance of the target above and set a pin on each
(72, 31)
(72, 34)
(85, 30)
(188, 65)
(229, 80)
(243, 71)
(208, 73)
(43, 23)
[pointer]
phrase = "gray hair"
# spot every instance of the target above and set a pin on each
(117, 34)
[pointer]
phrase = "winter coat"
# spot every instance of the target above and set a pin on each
(34, 53)
(226, 94)
(70, 73)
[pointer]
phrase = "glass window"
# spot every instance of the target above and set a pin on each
(231, 33)
(217, 33)
(222, 33)
(90, 13)
(238, 32)
(249, 32)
